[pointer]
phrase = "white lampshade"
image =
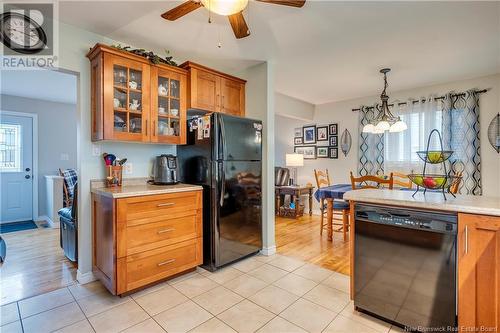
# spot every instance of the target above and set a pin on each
(382, 126)
(368, 128)
(378, 131)
(294, 160)
(225, 7)
(398, 126)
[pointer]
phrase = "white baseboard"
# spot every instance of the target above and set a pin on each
(84, 278)
(268, 251)
(51, 223)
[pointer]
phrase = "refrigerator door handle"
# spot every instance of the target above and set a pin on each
(223, 137)
(222, 185)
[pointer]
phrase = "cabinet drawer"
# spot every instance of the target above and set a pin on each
(140, 208)
(140, 269)
(161, 231)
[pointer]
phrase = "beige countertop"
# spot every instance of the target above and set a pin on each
(434, 201)
(136, 190)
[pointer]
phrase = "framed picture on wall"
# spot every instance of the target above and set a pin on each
(309, 152)
(298, 141)
(322, 152)
(322, 133)
(333, 129)
(333, 152)
(309, 134)
(333, 141)
(297, 132)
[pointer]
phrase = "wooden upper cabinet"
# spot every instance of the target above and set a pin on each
(478, 272)
(233, 97)
(213, 91)
(125, 100)
(168, 106)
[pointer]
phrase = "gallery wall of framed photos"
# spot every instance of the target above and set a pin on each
(317, 141)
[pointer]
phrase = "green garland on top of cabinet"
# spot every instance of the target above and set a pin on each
(154, 58)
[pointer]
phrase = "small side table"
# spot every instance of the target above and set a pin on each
(295, 192)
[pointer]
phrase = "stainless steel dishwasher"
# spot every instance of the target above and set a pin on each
(405, 266)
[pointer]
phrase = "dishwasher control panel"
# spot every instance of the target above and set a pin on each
(407, 218)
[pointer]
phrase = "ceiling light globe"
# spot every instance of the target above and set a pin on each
(383, 126)
(368, 128)
(398, 126)
(225, 7)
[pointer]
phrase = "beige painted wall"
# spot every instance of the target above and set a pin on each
(340, 112)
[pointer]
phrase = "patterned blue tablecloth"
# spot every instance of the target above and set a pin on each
(336, 191)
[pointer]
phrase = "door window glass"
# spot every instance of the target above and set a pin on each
(10, 148)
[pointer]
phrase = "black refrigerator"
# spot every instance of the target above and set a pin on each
(224, 155)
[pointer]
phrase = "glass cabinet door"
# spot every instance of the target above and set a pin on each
(168, 107)
(128, 100)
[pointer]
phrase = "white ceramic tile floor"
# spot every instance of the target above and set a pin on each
(264, 294)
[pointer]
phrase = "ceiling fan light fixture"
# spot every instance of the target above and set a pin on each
(225, 7)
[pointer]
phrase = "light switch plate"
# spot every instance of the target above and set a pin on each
(96, 150)
(127, 168)
(64, 157)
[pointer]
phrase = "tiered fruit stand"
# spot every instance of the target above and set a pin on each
(434, 181)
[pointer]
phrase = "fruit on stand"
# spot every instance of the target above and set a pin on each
(429, 182)
(435, 156)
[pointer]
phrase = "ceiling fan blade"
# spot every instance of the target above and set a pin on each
(292, 3)
(181, 10)
(240, 27)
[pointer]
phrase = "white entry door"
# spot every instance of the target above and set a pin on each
(16, 165)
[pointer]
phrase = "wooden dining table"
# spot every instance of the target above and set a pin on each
(329, 194)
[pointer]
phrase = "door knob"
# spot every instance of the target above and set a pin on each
(28, 169)
(27, 176)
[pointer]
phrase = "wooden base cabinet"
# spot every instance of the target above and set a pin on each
(213, 91)
(478, 273)
(141, 240)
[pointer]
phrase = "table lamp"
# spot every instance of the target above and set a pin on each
(294, 160)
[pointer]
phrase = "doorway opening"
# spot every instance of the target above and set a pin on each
(38, 174)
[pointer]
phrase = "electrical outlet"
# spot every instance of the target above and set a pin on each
(96, 150)
(127, 168)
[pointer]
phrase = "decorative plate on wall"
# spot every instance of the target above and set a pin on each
(345, 142)
(494, 133)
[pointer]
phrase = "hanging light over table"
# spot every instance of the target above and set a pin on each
(385, 121)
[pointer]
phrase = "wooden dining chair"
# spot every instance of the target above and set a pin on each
(364, 182)
(401, 180)
(339, 207)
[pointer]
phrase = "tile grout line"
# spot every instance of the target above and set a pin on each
(20, 319)
(150, 316)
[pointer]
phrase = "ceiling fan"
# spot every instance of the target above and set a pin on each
(233, 9)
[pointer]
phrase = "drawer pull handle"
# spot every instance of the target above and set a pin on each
(166, 204)
(166, 262)
(166, 230)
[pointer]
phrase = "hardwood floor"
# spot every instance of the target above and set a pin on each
(35, 264)
(300, 238)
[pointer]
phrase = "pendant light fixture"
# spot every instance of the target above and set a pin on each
(385, 120)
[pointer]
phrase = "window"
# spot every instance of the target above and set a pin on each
(10, 148)
(400, 149)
